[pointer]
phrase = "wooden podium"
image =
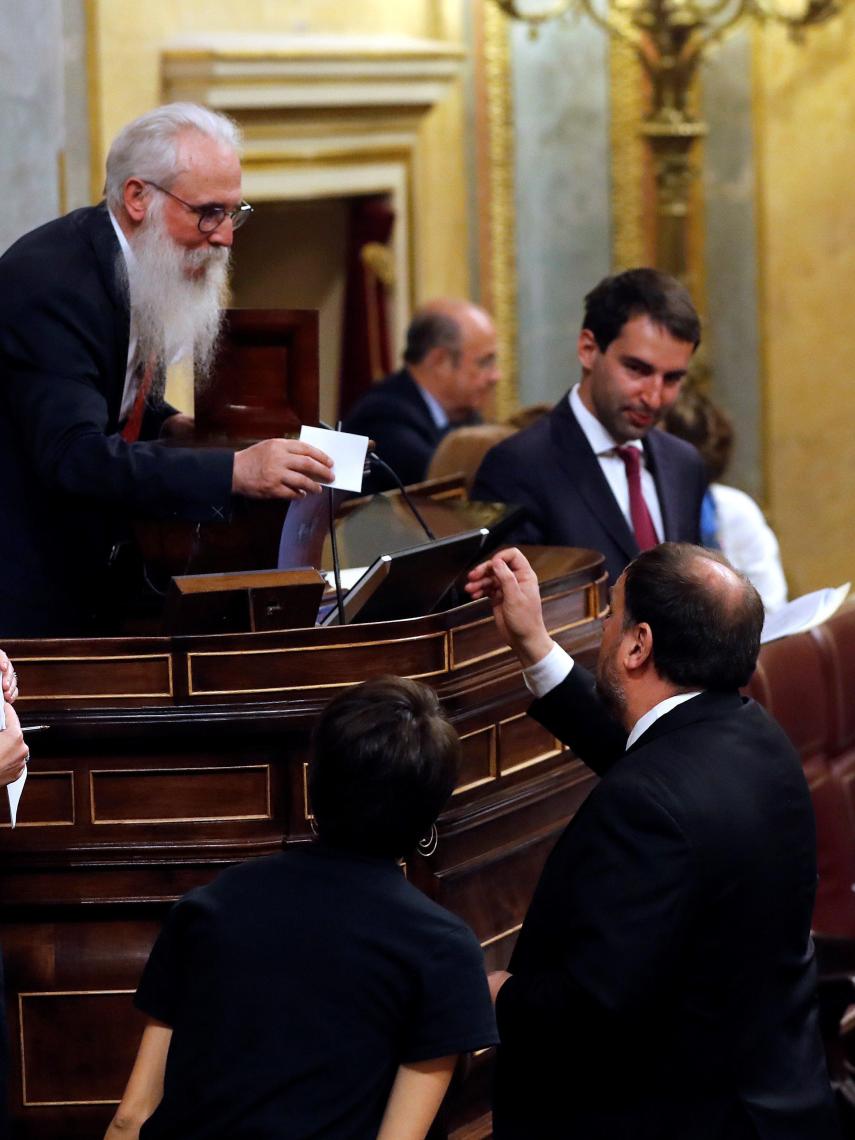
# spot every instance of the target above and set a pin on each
(167, 759)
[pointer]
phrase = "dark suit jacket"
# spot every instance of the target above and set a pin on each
(550, 469)
(69, 480)
(663, 981)
(395, 415)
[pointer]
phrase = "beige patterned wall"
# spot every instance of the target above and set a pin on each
(805, 160)
(125, 42)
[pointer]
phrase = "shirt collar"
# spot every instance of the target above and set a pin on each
(600, 440)
(437, 412)
(652, 715)
(124, 244)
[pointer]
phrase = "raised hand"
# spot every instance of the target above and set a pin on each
(13, 749)
(8, 678)
(508, 580)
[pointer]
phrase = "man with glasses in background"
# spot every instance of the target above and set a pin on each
(450, 368)
(93, 307)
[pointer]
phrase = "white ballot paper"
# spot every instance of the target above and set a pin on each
(17, 786)
(349, 576)
(345, 450)
(804, 613)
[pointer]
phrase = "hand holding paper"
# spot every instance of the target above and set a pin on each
(346, 451)
(8, 678)
(13, 756)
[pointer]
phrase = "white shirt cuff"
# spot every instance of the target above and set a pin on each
(549, 672)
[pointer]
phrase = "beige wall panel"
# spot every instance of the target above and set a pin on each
(125, 81)
(130, 36)
(439, 196)
(805, 98)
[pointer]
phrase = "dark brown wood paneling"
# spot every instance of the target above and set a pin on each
(325, 666)
(523, 743)
(88, 678)
(49, 801)
(494, 894)
(265, 380)
(475, 641)
(165, 793)
(478, 759)
(186, 795)
(77, 1048)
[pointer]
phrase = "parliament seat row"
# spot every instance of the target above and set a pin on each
(807, 682)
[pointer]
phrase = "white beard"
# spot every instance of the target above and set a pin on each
(174, 315)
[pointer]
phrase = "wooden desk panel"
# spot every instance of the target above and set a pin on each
(169, 759)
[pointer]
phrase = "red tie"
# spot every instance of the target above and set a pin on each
(642, 523)
(133, 425)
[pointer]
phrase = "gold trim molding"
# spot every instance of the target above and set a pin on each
(628, 168)
(502, 268)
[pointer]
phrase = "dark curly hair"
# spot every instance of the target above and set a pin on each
(385, 762)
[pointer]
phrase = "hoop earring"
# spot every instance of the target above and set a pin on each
(429, 843)
(313, 825)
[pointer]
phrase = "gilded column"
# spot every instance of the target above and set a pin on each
(502, 270)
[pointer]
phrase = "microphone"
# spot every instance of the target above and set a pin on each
(371, 457)
(374, 458)
(339, 592)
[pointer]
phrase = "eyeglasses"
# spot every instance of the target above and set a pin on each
(211, 216)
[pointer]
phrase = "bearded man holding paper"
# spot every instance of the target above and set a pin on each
(93, 307)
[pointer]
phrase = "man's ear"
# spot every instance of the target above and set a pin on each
(638, 647)
(587, 349)
(439, 358)
(135, 199)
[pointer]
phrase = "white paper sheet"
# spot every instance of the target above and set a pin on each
(349, 576)
(14, 789)
(804, 612)
(345, 450)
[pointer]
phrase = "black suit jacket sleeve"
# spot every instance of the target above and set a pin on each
(633, 857)
(55, 398)
(612, 961)
(593, 734)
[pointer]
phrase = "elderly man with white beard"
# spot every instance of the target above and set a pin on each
(93, 307)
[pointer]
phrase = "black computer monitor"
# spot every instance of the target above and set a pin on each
(412, 582)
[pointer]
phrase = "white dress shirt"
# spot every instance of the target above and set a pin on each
(603, 446)
(129, 392)
(437, 411)
(749, 545)
(551, 670)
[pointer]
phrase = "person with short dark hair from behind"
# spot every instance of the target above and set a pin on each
(450, 368)
(597, 472)
(730, 519)
(317, 992)
(662, 986)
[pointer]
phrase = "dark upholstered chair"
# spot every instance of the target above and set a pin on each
(807, 682)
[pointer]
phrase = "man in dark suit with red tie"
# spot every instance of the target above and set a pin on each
(596, 472)
(663, 983)
(93, 307)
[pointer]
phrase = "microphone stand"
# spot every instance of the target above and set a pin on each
(339, 592)
(374, 458)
